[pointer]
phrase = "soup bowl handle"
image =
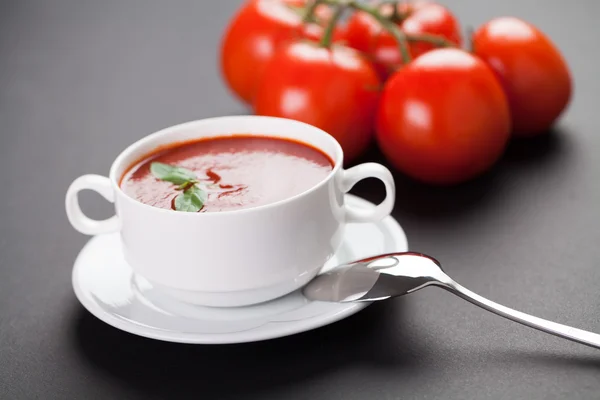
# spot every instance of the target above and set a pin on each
(77, 218)
(370, 170)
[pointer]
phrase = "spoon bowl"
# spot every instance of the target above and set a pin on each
(396, 274)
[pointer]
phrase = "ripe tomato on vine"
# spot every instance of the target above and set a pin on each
(255, 33)
(420, 19)
(395, 70)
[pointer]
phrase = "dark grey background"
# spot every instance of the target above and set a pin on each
(82, 79)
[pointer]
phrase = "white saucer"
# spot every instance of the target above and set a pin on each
(105, 285)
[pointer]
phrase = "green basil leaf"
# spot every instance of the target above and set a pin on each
(169, 173)
(200, 194)
(191, 200)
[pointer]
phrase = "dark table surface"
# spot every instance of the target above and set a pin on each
(82, 79)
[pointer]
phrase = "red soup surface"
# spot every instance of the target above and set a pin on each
(235, 171)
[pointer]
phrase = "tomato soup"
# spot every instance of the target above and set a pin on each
(234, 172)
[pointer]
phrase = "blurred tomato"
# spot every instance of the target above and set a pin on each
(364, 33)
(253, 35)
(532, 71)
(335, 89)
(443, 118)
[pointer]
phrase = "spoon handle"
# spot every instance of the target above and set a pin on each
(567, 332)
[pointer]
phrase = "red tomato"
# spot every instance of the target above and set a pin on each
(364, 33)
(253, 35)
(534, 74)
(335, 89)
(444, 118)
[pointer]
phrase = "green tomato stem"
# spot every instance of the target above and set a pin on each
(310, 11)
(402, 39)
(388, 25)
(328, 34)
(436, 40)
(396, 16)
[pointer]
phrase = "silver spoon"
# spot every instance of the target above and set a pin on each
(397, 274)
